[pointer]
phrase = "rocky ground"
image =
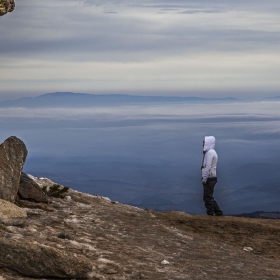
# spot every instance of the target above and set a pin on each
(124, 242)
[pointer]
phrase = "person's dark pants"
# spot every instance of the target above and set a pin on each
(211, 205)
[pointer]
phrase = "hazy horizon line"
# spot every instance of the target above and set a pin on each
(146, 95)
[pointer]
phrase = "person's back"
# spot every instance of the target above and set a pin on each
(209, 175)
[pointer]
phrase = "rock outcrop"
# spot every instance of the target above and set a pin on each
(13, 153)
(37, 260)
(11, 215)
(30, 190)
(6, 6)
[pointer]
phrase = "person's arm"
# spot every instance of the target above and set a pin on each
(207, 167)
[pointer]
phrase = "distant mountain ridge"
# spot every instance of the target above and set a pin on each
(71, 99)
(273, 98)
(261, 215)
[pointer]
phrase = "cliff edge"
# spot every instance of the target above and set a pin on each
(118, 241)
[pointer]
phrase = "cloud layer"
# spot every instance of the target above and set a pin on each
(133, 153)
(141, 46)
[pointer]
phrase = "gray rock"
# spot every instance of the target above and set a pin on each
(13, 153)
(10, 214)
(36, 260)
(30, 190)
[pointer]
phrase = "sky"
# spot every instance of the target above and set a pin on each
(201, 48)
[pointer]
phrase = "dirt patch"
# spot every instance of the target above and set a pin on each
(261, 235)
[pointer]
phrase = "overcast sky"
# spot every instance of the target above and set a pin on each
(188, 48)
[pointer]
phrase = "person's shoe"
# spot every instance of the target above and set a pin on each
(219, 213)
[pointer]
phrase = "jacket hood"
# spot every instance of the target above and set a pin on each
(209, 143)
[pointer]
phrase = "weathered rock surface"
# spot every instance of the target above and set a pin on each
(30, 190)
(13, 153)
(11, 215)
(125, 242)
(6, 6)
(38, 260)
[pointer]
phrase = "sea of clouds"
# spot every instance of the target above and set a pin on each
(152, 154)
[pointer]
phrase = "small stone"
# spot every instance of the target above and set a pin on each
(65, 235)
(165, 262)
(248, 249)
(30, 228)
(111, 271)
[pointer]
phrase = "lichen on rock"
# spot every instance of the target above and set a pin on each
(6, 6)
(13, 153)
(56, 190)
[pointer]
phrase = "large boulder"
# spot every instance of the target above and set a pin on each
(37, 260)
(30, 190)
(11, 215)
(13, 153)
(6, 6)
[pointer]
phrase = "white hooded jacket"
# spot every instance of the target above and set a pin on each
(210, 159)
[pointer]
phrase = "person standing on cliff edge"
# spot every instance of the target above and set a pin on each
(209, 176)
